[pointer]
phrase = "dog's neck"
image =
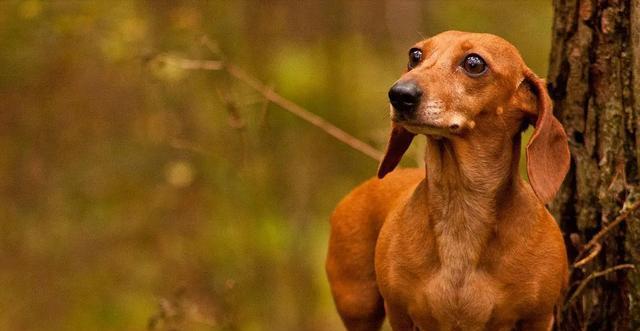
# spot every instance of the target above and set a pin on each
(482, 168)
(466, 180)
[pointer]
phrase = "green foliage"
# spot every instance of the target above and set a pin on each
(132, 198)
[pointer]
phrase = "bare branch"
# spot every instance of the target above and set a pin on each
(304, 114)
(593, 244)
(269, 94)
(189, 64)
(210, 45)
(264, 110)
(591, 277)
(596, 249)
(623, 216)
(186, 145)
(235, 120)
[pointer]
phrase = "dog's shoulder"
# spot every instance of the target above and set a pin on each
(376, 197)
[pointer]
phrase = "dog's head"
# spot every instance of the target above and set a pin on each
(459, 85)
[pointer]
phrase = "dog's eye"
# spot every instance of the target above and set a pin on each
(415, 56)
(474, 65)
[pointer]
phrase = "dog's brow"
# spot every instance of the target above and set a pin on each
(466, 45)
(432, 59)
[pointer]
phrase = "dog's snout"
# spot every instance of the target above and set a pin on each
(405, 96)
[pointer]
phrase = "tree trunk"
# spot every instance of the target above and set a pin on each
(594, 80)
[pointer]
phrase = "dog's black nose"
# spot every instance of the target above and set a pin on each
(405, 96)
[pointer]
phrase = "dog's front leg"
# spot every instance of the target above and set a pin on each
(398, 319)
(541, 323)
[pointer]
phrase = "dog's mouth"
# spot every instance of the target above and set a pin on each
(428, 129)
(433, 123)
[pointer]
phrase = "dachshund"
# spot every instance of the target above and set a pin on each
(465, 244)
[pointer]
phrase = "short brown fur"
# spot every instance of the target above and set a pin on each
(469, 246)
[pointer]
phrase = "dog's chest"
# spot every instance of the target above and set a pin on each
(433, 276)
(455, 302)
(451, 298)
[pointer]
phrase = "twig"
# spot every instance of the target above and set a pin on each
(264, 110)
(595, 239)
(596, 249)
(186, 145)
(279, 100)
(235, 120)
(591, 277)
(623, 216)
(302, 113)
(210, 45)
(189, 64)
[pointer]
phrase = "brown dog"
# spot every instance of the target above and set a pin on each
(471, 245)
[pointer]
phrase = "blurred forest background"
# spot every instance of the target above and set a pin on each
(136, 194)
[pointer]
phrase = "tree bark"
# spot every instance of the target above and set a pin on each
(594, 80)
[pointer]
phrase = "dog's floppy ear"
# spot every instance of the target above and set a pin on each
(548, 150)
(399, 142)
